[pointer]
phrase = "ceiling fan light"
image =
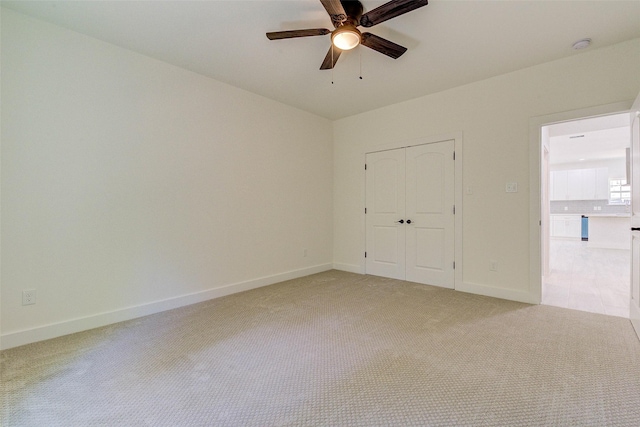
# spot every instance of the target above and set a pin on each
(346, 38)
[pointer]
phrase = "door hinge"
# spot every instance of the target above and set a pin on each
(365, 211)
(454, 265)
(365, 254)
(365, 166)
(454, 209)
(454, 155)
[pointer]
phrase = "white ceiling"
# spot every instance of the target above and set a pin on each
(592, 139)
(451, 43)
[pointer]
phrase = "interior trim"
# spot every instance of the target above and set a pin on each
(535, 172)
(28, 336)
(350, 268)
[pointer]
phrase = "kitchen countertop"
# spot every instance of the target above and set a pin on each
(609, 215)
(599, 215)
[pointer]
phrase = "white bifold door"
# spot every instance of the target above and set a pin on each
(410, 222)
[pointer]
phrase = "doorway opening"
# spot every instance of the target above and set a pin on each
(586, 212)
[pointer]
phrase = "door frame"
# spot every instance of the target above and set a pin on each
(536, 238)
(457, 138)
(546, 208)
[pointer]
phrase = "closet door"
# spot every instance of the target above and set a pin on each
(385, 195)
(430, 220)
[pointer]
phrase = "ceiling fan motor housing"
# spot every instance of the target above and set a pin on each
(353, 9)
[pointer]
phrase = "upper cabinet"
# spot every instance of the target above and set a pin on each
(602, 183)
(580, 184)
(559, 188)
(576, 184)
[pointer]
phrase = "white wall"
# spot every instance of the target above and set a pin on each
(494, 117)
(129, 185)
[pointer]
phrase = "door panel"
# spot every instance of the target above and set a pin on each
(429, 254)
(428, 182)
(635, 265)
(385, 244)
(430, 176)
(386, 186)
(385, 195)
(634, 309)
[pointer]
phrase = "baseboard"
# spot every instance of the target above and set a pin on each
(472, 288)
(350, 268)
(28, 336)
(491, 291)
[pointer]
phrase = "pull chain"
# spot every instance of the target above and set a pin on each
(360, 63)
(332, 63)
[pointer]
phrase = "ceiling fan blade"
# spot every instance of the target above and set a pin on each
(335, 10)
(277, 35)
(390, 10)
(331, 58)
(383, 45)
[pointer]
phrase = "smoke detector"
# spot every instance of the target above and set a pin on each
(581, 44)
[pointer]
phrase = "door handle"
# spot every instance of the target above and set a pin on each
(632, 228)
(401, 221)
(408, 221)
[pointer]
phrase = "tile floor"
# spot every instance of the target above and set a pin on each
(587, 279)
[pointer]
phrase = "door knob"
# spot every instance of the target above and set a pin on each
(408, 221)
(401, 221)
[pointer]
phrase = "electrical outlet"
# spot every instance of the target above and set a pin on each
(512, 187)
(493, 265)
(304, 253)
(29, 297)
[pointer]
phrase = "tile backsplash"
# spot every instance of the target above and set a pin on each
(587, 207)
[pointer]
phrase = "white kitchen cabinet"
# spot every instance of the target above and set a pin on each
(559, 190)
(580, 184)
(609, 232)
(566, 226)
(602, 184)
(575, 184)
(588, 185)
(573, 227)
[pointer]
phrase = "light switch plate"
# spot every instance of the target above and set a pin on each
(512, 187)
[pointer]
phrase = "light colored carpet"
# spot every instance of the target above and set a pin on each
(334, 349)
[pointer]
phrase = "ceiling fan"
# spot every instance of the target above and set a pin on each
(346, 16)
